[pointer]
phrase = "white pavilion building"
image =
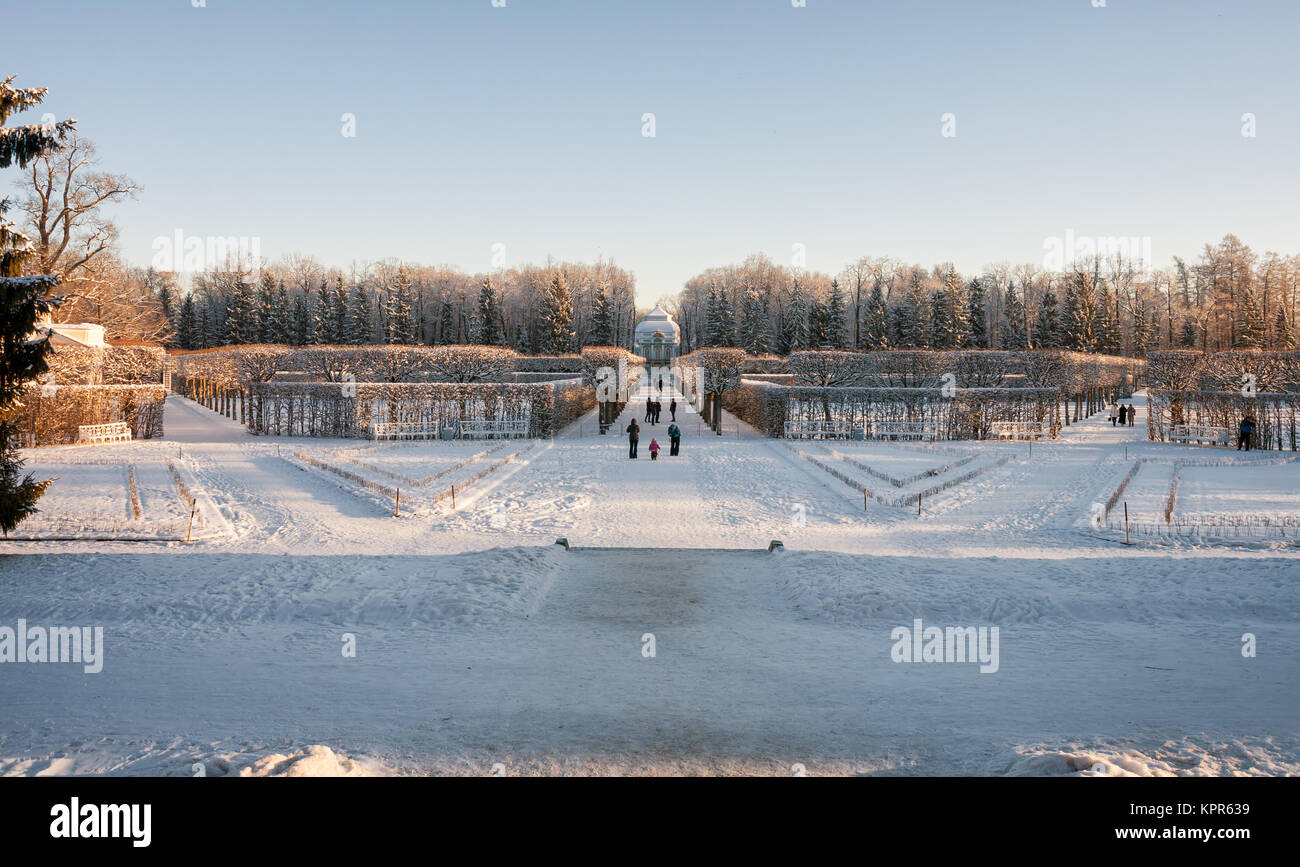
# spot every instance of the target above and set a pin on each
(657, 337)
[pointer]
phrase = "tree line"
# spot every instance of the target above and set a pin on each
(1230, 297)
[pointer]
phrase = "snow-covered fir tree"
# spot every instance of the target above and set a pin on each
(446, 323)
(602, 317)
(300, 324)
(324, 331)
(875, 321)
(1047, 327)
(1188, 334)
(361, 318)
(187, 324)
(243, 318)
(977, 315)
(555, 325)
(754, 330)
(489, 328)
(1013, 335)
(401, 327)
(1252, 332)
(836, 319)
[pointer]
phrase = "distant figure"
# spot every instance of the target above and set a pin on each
(654, 449)
(674, 439)
(1246, 428)
(661, 383)
(654, 417)
(1132, 412)
(633, 434)
(1123, 414)
(1114, 410)
(649, 409)
(672, 409)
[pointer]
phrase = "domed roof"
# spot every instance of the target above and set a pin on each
(658, 320)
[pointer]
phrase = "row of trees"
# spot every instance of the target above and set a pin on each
(1229, 298)
(554, 308)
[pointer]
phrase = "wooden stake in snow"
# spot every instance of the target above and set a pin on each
(1126, 541)
(864, 499)
(453, 498)
(397, 503)
(918, 505)
(190, 530)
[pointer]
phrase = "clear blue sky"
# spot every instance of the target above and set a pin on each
(775, 125)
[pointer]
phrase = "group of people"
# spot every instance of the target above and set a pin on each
(1121, 415)
(654, 407)
(674, 441)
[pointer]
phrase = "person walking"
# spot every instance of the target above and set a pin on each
(633, 434)
(674, 439)
(649, 409)
(1132, 412)
(672, 409)
(661, 383)
(1244, 431)
(654, 449)
(658, 407)
(1113, 414)
(1123, 414)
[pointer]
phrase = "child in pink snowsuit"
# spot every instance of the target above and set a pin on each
(654, 449)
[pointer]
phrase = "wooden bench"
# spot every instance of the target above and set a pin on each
(1017, 430)
(403, 430)
(1201, 433)
(902, 430)
(113, 432)
(838, 430)
(484, 429)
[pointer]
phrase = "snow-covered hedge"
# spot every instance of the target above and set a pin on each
(1189, 387)
(51, 415)
(964, 413)
(241, 365)
(349, 409)
(106, 365)
(548, 363)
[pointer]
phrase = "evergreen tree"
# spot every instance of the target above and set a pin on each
(489, 332)
(953, 331)
(281, 330)
(602, 317)
(1142, 329)
(243, 321)
(797, 319)
(301, 323)
(1282, 337)
(818, 333)
(401, 313)
(1047, 328)
(23, 300)
(1068, 334)
(363, 320)
(836, 324)
(446, 323)
(1252, 332)
(1014, 335)
(755, 327)
(1187, 336)
(324, 331)
(187, 324)
(978, 317)
(556, 324)
(717, 325)
(265, 309)
(942, 333)
(875, 322)
(1110, 341)
(338, 311)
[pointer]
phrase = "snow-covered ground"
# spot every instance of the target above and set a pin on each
(482, 647)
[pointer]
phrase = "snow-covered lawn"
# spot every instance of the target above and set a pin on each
(479, 642)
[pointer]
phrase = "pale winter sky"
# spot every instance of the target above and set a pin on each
(775, 125)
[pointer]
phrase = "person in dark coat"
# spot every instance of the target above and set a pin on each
(633, 434)
(1131, 413)
(649, 409)
(674, 439)
(1123, 414)
(1244, 431)
(672, 409)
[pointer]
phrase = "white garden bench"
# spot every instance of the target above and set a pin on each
(1017, 430)
(403, 430)
(495, 429)
(113, 432)
(818, 430)
(1201, 433)
(902, 430)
